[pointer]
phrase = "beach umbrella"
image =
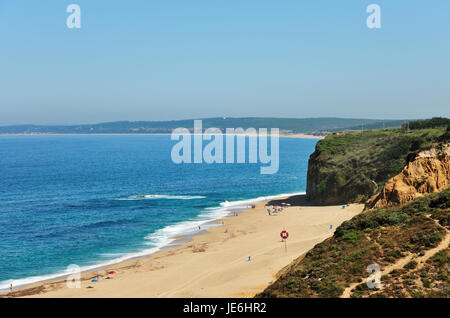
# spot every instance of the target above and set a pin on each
(112, 272)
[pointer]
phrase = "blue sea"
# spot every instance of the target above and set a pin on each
(100, 199)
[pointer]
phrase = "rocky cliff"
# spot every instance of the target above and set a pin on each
(353, 167)
(327, 184)
(426, 172)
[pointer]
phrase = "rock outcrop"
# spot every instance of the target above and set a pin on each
(427, 172)
(352, 167)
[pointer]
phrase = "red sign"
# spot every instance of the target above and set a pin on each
(284, 234)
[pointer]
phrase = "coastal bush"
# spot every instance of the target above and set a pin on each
(396, 218)
(292, 283)
(426, 283)
(441, 258)
(411, 265)
(427, 123)
(352, 237)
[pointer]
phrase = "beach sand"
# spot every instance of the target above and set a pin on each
(215, 264)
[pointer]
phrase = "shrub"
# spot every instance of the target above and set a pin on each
(426, 283)
(440, 258)
(352, 237)
(411, 265)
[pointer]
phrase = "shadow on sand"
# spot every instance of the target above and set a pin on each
(295, 200)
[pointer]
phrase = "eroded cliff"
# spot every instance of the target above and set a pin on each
(352, 167)
(427, 172)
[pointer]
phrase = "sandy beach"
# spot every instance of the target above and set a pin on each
(215, 263)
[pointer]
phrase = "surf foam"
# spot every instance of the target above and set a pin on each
(163, 196)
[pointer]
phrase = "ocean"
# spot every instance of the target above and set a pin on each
(95, 200)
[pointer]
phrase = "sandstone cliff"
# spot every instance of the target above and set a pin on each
(352, 167)
(426, 172)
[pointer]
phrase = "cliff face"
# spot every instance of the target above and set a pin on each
(352, 167)
(327, 185)
(428, 172)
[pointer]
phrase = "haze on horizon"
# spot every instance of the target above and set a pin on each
(170, 60)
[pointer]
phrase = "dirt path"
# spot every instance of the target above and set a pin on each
(405, 260)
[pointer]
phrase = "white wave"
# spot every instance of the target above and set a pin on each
(245, 203)
(159, 239)
(163, 196)
(4, 285)
(188, 227)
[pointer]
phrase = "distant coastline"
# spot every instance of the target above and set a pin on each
(320, 126)
(285, 135)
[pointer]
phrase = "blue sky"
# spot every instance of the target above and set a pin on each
(174, 59)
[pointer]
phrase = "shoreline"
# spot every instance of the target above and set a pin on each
(210, 255)
(178, 239)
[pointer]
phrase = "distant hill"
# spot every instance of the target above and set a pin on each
(318, 126)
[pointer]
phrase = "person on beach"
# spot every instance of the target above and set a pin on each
(10, 287)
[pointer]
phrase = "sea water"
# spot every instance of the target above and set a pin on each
(94, 200)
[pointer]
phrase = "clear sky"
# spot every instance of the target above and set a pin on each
(175, 59)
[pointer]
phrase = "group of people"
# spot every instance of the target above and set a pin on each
(275, 209)
(96, 278)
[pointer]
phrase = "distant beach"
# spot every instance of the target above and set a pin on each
(237, 258)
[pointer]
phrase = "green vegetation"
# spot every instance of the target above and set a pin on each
(417, 280)
(353, 166)
(428, 123)
(377, 237)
